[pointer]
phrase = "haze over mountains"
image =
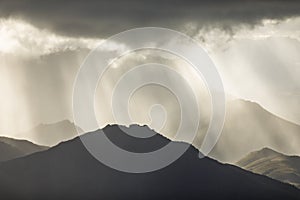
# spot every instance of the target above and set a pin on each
(160, 64)
(52, 134)
(68, 171)
(273, 164)
(248, 127)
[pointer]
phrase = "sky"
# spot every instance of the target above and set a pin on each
(254, 44)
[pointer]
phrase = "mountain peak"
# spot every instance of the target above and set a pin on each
(135, 137)
(267, 150)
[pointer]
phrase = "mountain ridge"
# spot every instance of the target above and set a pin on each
(68, 171)
(273, 164)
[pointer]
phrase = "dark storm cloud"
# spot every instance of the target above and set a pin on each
(103, 18)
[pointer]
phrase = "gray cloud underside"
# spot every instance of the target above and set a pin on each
(103, 18)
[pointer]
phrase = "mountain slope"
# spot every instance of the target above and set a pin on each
(13, 148)
(273, 164)
(248, 127)
(8, 152)
(68, 171)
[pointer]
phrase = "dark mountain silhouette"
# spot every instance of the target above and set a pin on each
(68, 171)
(12, 148)
(248, 127)
(273, 164)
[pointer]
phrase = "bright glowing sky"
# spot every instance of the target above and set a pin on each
(259, 63)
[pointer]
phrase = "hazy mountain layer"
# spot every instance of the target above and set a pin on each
(12, 148)
(248, 127)
(52, 134)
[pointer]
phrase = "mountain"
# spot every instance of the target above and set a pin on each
(68, 171)
(273, 164)
(8, 152)
(52, 134)
(13, 148)
(248, 127)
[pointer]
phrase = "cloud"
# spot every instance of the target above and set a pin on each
(23, 39)
(217, 39)
(104, 18)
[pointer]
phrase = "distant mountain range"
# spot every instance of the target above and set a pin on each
(13, 148)
(43, 136)
(273, 164)
(68, 171)
(52, 134)
(248, 127)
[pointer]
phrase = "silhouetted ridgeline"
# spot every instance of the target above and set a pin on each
(68, 171)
